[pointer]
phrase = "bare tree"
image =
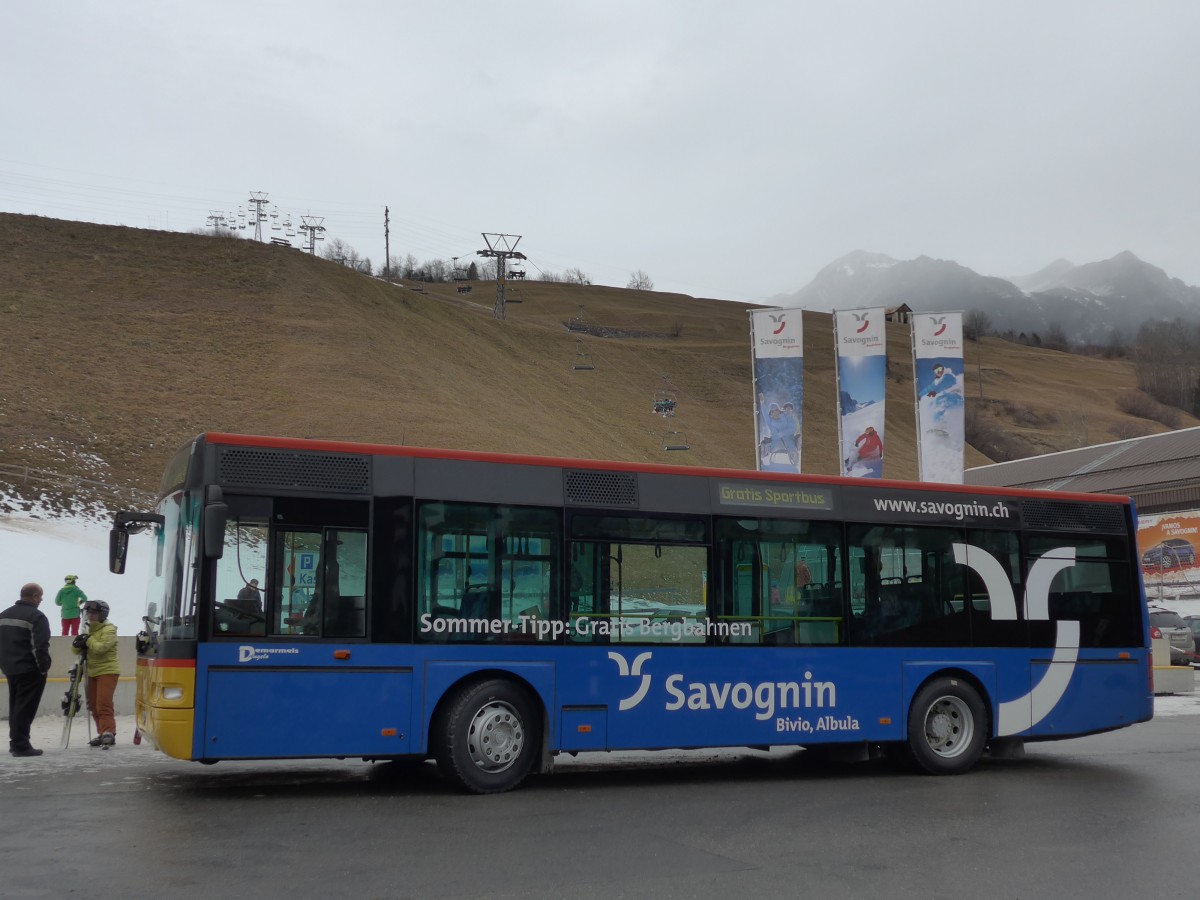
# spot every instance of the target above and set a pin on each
(1056, 338)
(1167, 364)
(395, 266)
(577, 276)
(438, 270)
(337, 250)
(976, 324)
(640, 281)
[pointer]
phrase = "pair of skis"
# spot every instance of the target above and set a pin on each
(71, 700)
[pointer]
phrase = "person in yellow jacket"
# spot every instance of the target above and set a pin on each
(103, 670)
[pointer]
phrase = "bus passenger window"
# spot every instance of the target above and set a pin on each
(904, 584)
(488, 573)
(638, 580)
(781, 582)
(1089, 591)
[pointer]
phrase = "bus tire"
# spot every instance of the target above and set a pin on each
(488, 739)
(947, 727)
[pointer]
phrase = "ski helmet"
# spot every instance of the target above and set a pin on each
(97, 606)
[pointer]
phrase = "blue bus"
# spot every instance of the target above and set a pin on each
(488, 611)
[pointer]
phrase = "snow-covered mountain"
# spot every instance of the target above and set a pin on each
(1088, 302)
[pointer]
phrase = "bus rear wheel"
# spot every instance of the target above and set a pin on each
(488, 737)
(947, 727)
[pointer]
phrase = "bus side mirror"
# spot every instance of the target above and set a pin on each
(215, 516)
(118, 546)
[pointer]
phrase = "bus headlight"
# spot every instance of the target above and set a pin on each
(172, 693)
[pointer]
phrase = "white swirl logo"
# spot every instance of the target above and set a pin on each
(1027, 710)
(635, 672)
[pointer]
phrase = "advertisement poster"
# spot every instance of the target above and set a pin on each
(938, 376)
(777, 339)
(1168, 547)
(862, 386)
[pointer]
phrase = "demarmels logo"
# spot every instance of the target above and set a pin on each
(940, 323)
(780, 324)
(866, 322)
(261, 654)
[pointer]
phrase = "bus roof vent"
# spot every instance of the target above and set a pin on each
(288, 470)
(601, 488)
(1064, 515)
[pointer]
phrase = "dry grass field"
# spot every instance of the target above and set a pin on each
(119, 344)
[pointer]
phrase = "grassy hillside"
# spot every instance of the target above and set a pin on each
(120, 344)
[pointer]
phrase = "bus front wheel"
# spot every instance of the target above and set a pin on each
(947, 727)
(487, 738)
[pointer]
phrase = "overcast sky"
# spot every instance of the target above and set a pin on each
(727, 150)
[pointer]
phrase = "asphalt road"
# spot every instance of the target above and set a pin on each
(1103, 816)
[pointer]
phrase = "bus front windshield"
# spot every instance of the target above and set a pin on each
(170, 595)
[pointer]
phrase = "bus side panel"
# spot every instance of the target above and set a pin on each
(1103, 693)
(662, 697)
(281, 713)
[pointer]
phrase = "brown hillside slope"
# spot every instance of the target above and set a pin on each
(120, 344)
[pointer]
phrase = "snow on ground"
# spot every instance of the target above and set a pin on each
(36, 547)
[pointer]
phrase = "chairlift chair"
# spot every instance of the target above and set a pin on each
(583, 362)
(674, 440)
(664, 404)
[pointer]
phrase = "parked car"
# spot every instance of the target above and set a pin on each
(1177, 632)
(1193, 622)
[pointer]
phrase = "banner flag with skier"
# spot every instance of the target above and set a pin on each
(938, 376)
(861, 343)
(777, 339)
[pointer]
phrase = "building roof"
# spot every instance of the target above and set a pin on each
(1161, 471)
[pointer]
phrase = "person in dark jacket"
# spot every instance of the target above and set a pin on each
(25, 660)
